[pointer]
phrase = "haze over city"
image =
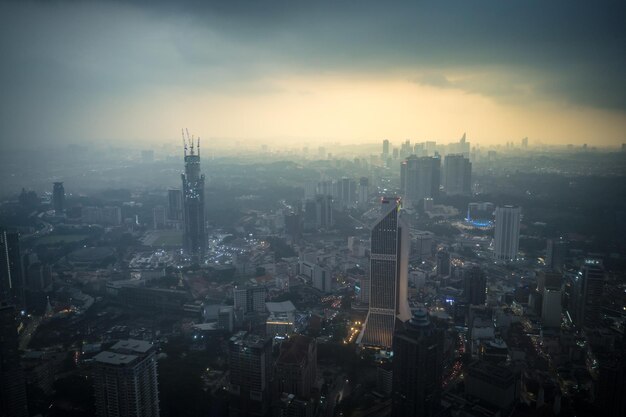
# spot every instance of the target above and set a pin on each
(346, 72)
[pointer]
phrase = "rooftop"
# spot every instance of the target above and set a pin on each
(132, 345)
(112, 358)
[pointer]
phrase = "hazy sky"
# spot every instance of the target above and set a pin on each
(348, 71)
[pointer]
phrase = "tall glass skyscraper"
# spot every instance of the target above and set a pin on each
(506, 238)
(388, 275)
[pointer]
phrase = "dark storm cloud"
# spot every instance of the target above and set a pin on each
(60, 57)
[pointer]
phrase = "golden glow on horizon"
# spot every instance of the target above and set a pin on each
(355, 110)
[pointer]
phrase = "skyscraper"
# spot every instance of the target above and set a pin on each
(12, 382)
(385, 148)
(363, 191)
(194, 234)
(587, 293)
(475, 283)
(556, 252)
(250, 364)
(11, 274)
(58, 198)
(296, 367)
(457, 175)
(389, 257)
(417, 367)
(324, 212)
(175, 205)
(443, 263)
(506, 238)
(419, 178)
(125, 380)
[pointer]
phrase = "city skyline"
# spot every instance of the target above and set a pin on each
(313, 72)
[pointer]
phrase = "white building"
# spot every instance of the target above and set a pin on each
(506, 237)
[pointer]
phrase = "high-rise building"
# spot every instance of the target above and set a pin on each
(556, 253)
(347, 191)
(551, 307)
(324, 212)
(385, 148)
(419, 178)
(175, 205)
(296, 367)
(506, 238)
(588, 287)
(322, 278)
(58, 197)
(417, 367)
(496, 385)
(125, 380)
(443, 263)
(475, 283)
(12, 383)
(11, 274)
(249, 299)
(422, 243)
(250, 364)
(457, 175)
(389, 255)
(194, 233)
(159, 217)
(363, 197)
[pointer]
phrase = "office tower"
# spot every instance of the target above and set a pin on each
(159, 217)
(111, 215)
(175, 205)
(587, 291)
(125, 380)
(194, 234)
(556, 253)
(389, 258)
(419, 178)
(417, 367)
(506, 238)
(363, 191)
(347, 191)
(226, 318)
(324, 212)
(310, 215)
(296, 367)
(422, 244)
(496, 385)
(322, 278)
(385, 148)
(457, 175)
(249, 299)
(250, 364)
(443, 263)
(524, 143)
(551, 307)
(58, 198)
(475, 285)
(11, 274)
(12, 383)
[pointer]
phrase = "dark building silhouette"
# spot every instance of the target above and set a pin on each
(11, 274)
(556, 253)
(194, 233)
(496, 385)
(12, 383)
(420, 178)
(58, 197)
(587, 294)
(475, 285)
(250, 364)
(611, 386)
(443, 263)
(296, 371)
(417, 367)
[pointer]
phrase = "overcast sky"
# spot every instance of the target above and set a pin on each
(348, 71)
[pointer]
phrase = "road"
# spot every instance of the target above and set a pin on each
(340, 390)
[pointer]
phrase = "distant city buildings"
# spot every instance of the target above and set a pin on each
(249, 299)
(388, 275)
(587, 294)
(175, 205)
(457, 178)
(125, 380)
(507, 231)
(194, 233)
